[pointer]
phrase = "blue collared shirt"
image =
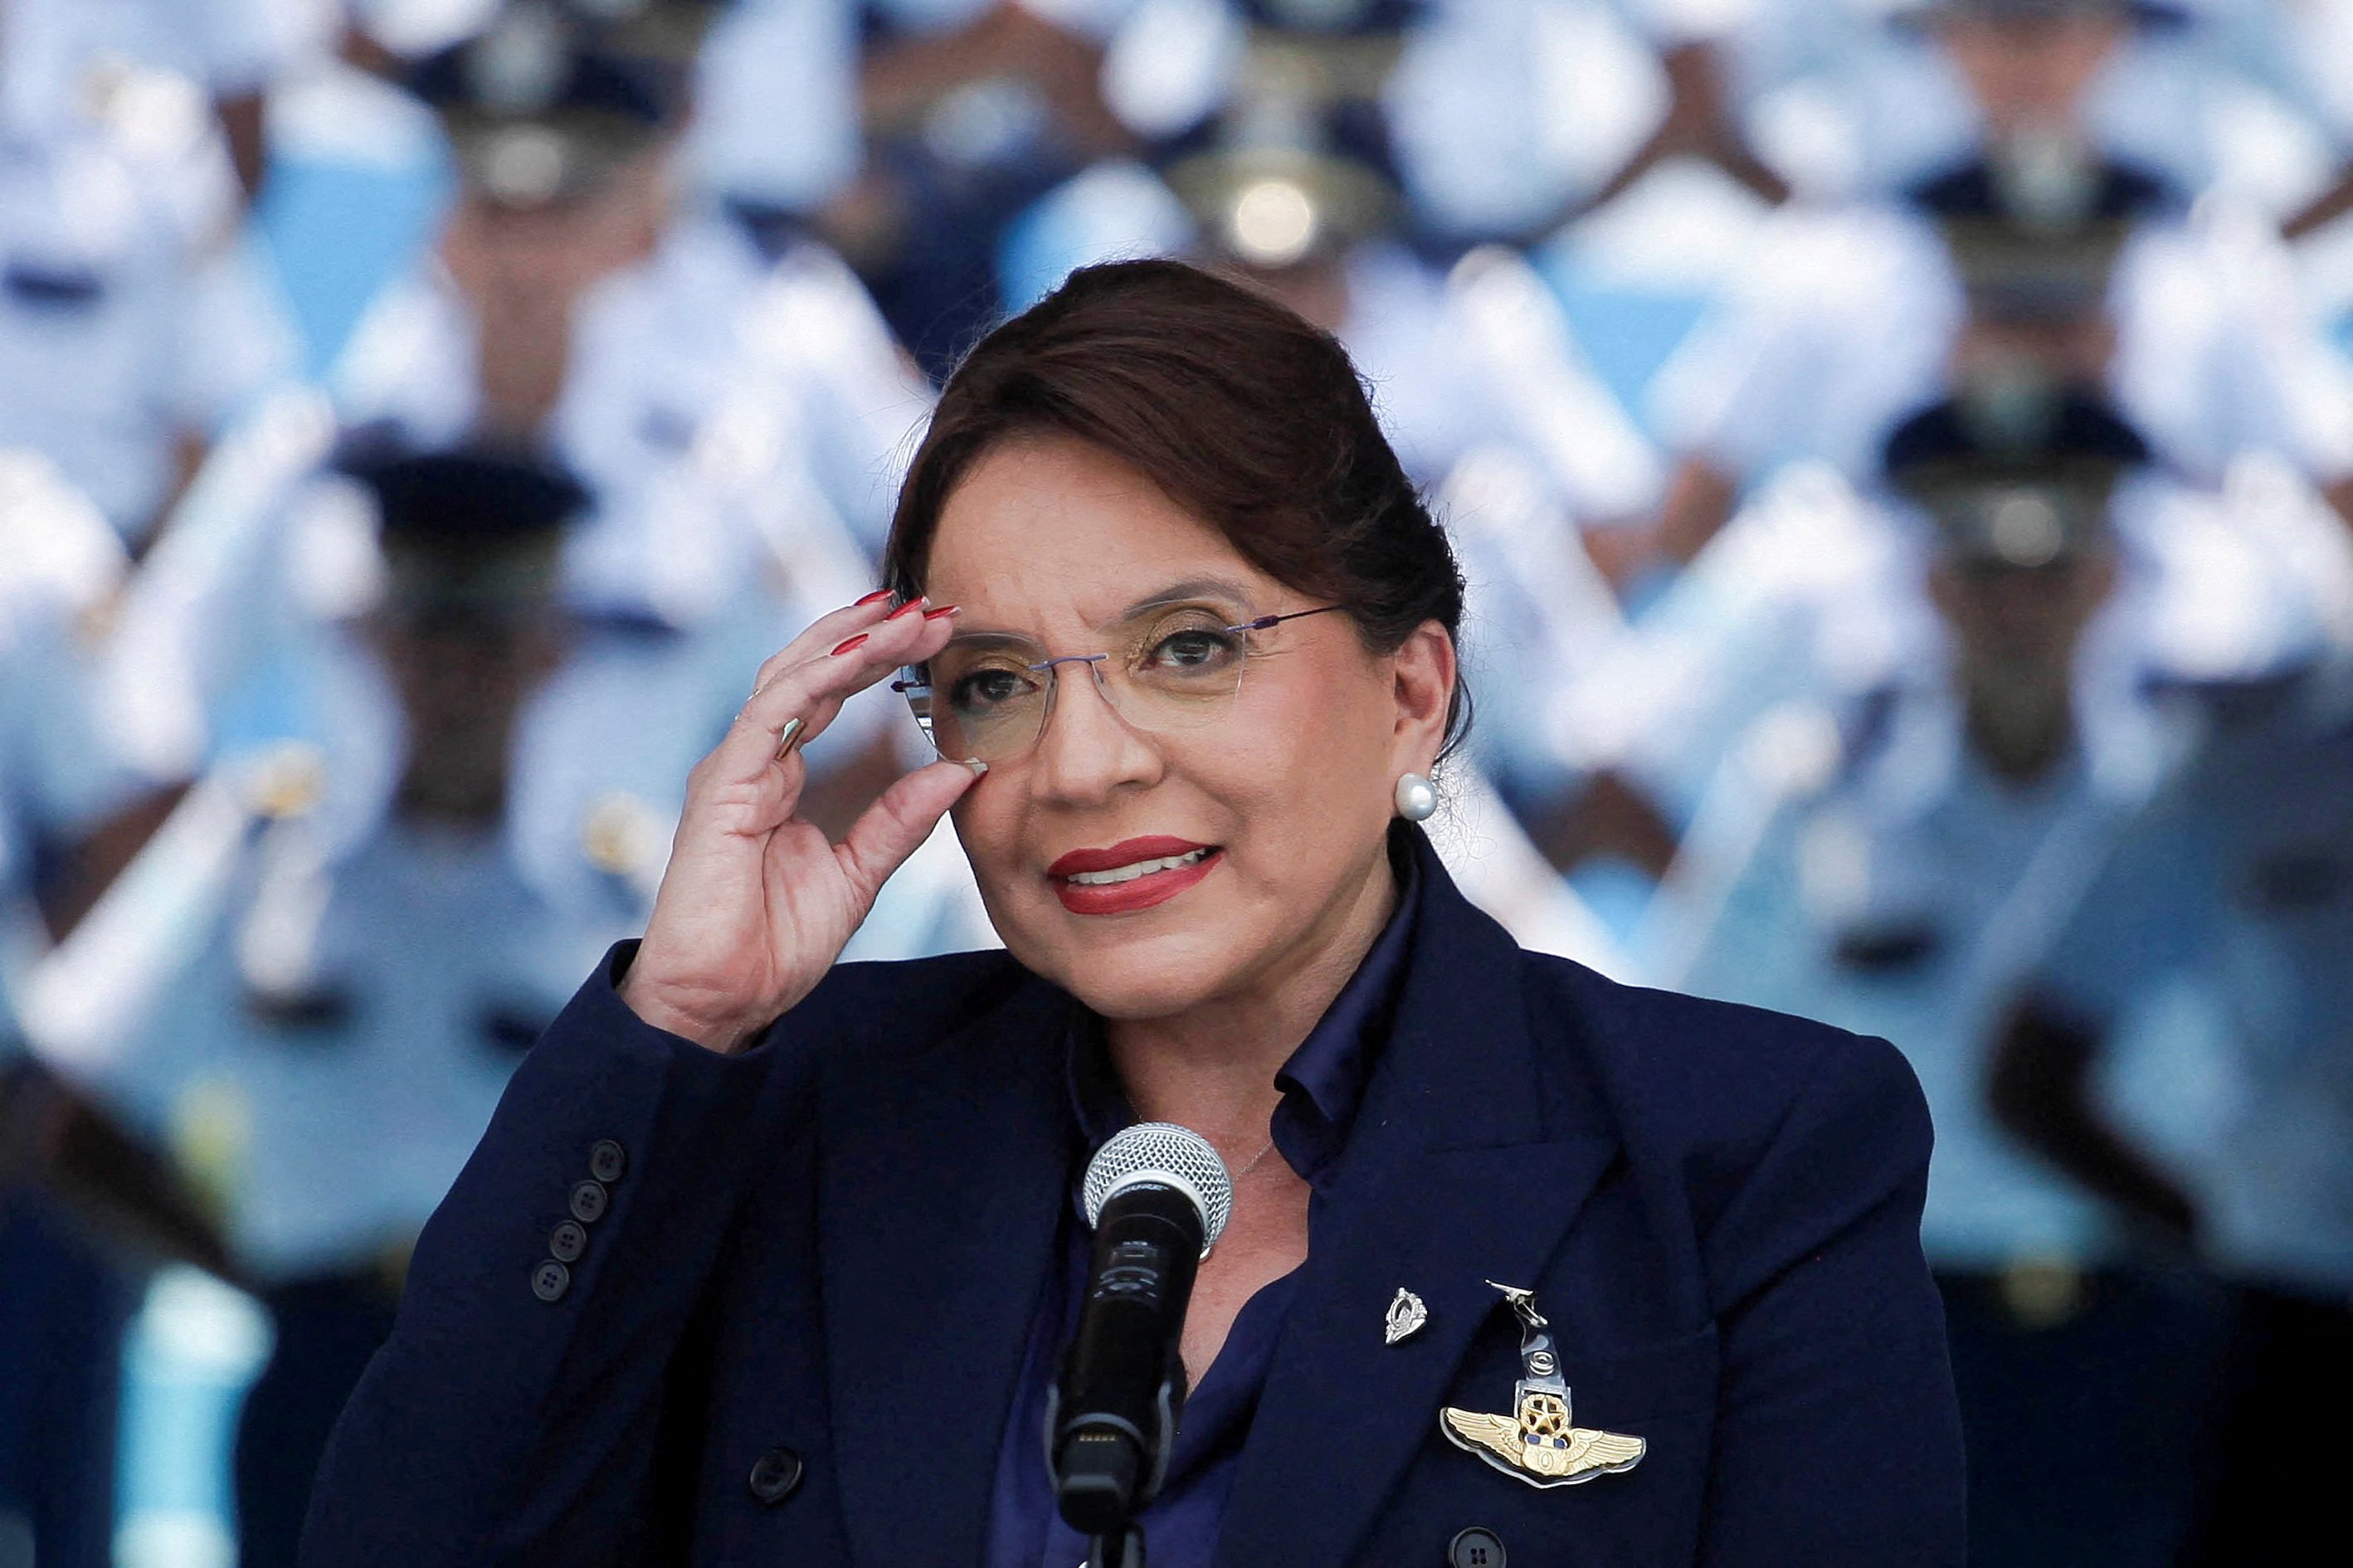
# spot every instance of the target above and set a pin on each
(1322, 1083)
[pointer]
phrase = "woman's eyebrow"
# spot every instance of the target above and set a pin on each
(1190, 588)
(985, 639)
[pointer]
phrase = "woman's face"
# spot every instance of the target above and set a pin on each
(1279, 804)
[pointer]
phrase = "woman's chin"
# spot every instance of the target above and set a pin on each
(1131, 974)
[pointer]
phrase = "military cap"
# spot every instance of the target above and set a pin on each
(466, 531)
(2015, 489)
(1297, 162)
(534, 112)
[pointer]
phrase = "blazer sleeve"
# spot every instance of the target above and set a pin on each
(513, 1412)
(1838, 1440)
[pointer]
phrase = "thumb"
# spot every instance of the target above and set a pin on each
(891, 829)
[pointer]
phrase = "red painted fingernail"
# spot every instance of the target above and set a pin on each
(913, 604)
(875, 597)
(942, 610)
(845, 648)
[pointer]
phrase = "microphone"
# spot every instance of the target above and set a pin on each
(1159, 1197)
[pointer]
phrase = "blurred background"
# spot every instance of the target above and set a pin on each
(1901, 452)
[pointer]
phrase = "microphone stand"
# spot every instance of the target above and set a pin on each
(1122, 1548)
(1111, 1412)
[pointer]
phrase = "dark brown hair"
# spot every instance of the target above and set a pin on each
(1241, 413)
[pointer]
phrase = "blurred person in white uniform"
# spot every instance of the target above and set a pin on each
(740, 424)
(581, 294)
(728, 418)
(312, 983)
(1847, 97)
(1288, 179)
(85, 1210)
(699, 395)
(2031, 273)
(273, 551)
(64, 1302)
(1856, 316)
(1890, 863)
(55, 55)
(132, 329)
(1801, 591)
(2240, 875)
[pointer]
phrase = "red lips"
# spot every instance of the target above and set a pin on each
(1137, 893)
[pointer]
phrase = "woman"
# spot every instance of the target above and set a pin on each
(769, 1260)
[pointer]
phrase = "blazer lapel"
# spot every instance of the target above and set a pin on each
(931, 1268)
(1450, 1180)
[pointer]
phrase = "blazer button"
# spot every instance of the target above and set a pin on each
(588, 1200)
(1476, 1547)
(550, 1280)
(774, 1475)
(567, 1241)
(608, 1160)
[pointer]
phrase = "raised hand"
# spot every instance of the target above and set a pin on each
(755, 903)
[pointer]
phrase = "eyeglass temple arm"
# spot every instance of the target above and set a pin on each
(1264, 622)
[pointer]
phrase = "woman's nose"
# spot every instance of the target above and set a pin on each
(1087, 750)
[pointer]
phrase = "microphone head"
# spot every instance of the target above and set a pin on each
(1171, 1156)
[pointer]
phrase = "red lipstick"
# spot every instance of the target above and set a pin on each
(1135, 892)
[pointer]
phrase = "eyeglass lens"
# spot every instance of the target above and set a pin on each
(1168, 670)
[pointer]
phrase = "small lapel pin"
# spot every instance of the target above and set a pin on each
(1406, 1316)
(1537, 1443)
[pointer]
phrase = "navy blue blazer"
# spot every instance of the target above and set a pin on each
(793, 1332)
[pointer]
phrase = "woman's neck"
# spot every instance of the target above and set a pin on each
(1212, 1067)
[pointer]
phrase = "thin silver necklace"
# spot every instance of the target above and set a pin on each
(1254, 1159)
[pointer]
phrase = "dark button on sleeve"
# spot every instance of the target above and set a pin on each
(588, 1200)
(568, 1241)
(550, 1280)
(1476, 1547)
(608, 1160)
(774, 1475)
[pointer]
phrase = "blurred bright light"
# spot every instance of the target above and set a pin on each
(1273, 223)
(525, 165)
(2026, 530)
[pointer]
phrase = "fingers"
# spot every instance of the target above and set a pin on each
(813, 689)
(894, 826)
(821, 634)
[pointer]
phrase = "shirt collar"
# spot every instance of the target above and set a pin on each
(1323, 1082)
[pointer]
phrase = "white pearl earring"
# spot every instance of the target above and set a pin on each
(1417, 797)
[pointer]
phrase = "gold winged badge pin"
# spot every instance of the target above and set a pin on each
(1537, 1443)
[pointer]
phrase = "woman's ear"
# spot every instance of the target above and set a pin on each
(1425, 672)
